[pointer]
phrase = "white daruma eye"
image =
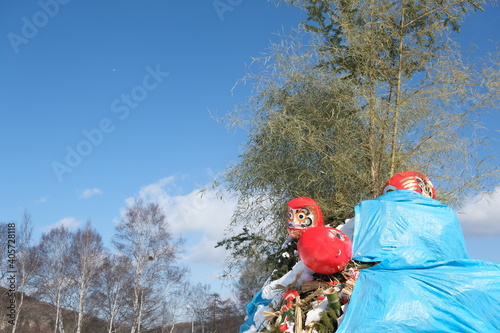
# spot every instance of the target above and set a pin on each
(302, 214)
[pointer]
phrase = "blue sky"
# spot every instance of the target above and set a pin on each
(104, 101)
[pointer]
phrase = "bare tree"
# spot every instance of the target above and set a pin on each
(173, 306)
(87, 253)
(52, 278)
(202, 296)
(211, 312)
(115, 292)
(224, 315)
(143, 237)
(27, 264)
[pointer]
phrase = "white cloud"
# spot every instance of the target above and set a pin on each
(68, 222)
(42, 200)
(90, 192)
(480, 215)
(155, 192)
(198, 212)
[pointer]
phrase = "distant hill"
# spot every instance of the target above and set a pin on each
(39, 317)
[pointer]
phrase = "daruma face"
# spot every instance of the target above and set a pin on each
(299, 220)
(303, 213)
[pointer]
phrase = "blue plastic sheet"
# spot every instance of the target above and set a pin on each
(251, 309)
(425, 280)
(408, 226)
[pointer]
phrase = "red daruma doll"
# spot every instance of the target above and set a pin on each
(411, 180)
(303, 213)
(325, 250)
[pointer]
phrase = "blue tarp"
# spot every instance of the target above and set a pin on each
(425, 280)
(251, 309)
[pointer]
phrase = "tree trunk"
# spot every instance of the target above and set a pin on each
(112, 318)
(113, 311)
(135, 311)
(57, 313)
(139, 316)
(83, 290)
(371, 140)
(110, 325)
(61, 322)
(18, 310)
(395, 128)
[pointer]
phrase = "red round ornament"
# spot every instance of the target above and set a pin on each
(324, 250)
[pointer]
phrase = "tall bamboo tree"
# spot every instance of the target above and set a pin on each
(413, 86)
